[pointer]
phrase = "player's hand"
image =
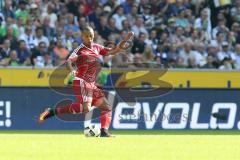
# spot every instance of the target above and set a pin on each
(73, 73)
(124, 44)
(128, 36)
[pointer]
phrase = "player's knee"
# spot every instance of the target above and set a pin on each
(107, 108)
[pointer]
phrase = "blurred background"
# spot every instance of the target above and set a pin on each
(168, 33)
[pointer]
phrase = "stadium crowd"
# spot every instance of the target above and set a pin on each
(168, 33)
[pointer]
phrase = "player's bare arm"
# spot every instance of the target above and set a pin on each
(69, 64)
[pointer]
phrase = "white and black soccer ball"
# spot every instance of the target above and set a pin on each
(92, 131)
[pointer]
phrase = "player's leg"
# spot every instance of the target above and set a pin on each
(83, 104)
(73, 108)
(106, 115)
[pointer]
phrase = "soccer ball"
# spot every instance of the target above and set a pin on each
(92, 131)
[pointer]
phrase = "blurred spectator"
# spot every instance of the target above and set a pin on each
(48, 31)
(141, 6)
(226, 64)
(171, 9)
(22, 11)
(180, 63)
(38, 53)
(50, 15)
(178, 36)
(127, 6)
(13, 59)
(157, 60)
(226, 52)
(75, 44)
(219, 40)
(192, 63)
(203, 23)
(119, 17)
(48, 61)
(82, 22)
(81, 11)
(10, 23)
(10, 36)
(7, 10)
(28, 37)
(148, 17)
(221, 27)
(103, 29)
(97, 38)
(236, 31)
(148, 56)
(23, 53)
(153, 40)
(139, 44)
(71, 23)
(181, 19)
(235, 11)
(154, 6)
(94, 17)
(161, 53)
(5, 49)
(30, 23)
(138, 61)
(164, 8)
(126, 25)
(112, 25)
(139, 26)
(132, 16)
(40, 37)
(20, 26)
(111, 3)
(200, 54)
(237, 51)
(173, 53)
(170, 26)
(68, 40)
(72, 6)
(60, 53)
(34, 13)
(186, 52)
(209, 63)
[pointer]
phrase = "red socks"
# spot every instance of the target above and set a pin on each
(105, 119)
(74, 108)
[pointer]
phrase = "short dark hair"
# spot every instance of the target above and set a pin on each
(21, 41)
(39, 28)
(41, 43)
(87, 29)
(218, 33)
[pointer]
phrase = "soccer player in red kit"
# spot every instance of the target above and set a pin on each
(87, 60)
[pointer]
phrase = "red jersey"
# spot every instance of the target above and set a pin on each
(88, 61)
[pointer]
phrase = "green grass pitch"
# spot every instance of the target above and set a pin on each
(127, 145)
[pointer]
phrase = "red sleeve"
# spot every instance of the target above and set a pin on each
(103, 50)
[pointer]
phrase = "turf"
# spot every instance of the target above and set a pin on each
(140, 145)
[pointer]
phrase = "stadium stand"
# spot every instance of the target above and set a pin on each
(168, 33)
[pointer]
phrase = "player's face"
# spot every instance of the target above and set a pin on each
(87, 37)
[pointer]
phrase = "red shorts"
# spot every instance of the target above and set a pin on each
(86, 91)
